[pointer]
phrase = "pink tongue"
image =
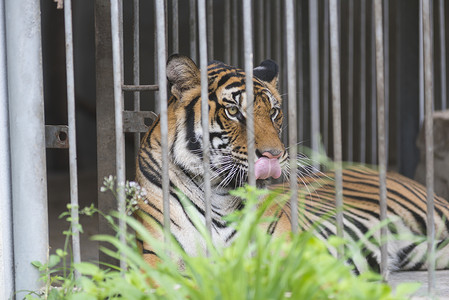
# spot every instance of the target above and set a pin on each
(267, 167)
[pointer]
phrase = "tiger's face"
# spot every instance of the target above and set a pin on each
(227, 121)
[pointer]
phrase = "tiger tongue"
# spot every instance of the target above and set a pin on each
(267, 167)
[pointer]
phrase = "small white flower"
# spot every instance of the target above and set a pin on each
(177, 287)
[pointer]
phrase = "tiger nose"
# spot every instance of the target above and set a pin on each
(269, 153)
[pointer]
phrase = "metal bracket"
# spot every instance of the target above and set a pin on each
(134, 121)
(56, 136)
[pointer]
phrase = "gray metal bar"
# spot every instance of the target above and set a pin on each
(300, 70)
(27, 140)
(373, 109)
(428, 92)
(227, 32)
(260, 30)
(205, 112)
(325, 93)
(336, 113)
(6, 232)
(136, 69)
(235, 33)
(442, 54)
(421, 65)
(350, 86)
(76, 248)
(278, 32)
(292, 126)
(314, 78)
(362, 81)
(386, 23)
(267, 26)
(210, 28)
(193, 47)
(162, 81)
(380, 80)
(248, 46)
(175, 26)
(56, 136)
(118, 107)
(139, 88)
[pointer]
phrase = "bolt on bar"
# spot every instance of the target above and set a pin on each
(248, 46)
(380, 80)
(442, 54)
(205, 112)
(314, 79)
(72, 132)
(118, 107)
(136, 70)
(292, 129)
(428, 92)
(336, 110)
(162, 82)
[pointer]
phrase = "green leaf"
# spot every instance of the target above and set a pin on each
(87, 268)
(53, 260)
(37, 264)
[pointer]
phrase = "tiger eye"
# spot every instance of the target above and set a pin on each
(232, 110)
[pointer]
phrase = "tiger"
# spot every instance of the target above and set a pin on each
(229, 170)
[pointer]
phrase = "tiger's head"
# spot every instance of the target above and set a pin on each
(227, 121)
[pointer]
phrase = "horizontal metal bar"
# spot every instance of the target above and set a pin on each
(139, 88)
(57, 136)
(134, 121)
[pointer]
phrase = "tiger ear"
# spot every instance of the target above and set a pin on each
(267, 71)
(182, 73)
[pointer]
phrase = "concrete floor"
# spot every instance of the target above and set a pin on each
(58, 189)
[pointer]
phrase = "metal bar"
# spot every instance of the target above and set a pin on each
(139, 88)
(350, 86)
(27, 140)
(442, 54)
(162, 81)
(6, 221)
(314, 78)
(235, 33)
(325, 93)
(336, 113)
(175, 26)
(278, 32)
(248, 46)
(210, 28)
(267, 25)
(373, 109)
(386, 39)
(300, 69)
(380, 80)
(76, 248)
(227, 32)
(192, 20)
(260, 30)
(362, 81)
(428, 92)
(292, 126)
(421, 65)
(136, 69)
(118, 107)
(205, 112)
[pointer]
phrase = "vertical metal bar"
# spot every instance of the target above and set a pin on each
(260, 30)
(300, 70)
(27, 140)
(314, 78)
(278, 32)
(118, 107)
(6, 232)
(227, 32)
(386, 75)
(175, 26)
(205, 112)
(248, 45)
(192, 8)
(76, 249)
(235, 33)
(350, 86)
(373, 109)
(442, 54)
(421, 64)
(362, 81)
(428, 86)
(267, 25)
(292, 132)
(325, 93)
(162, 82)
(210, 28)
(136, 69)
(336, 113)
(380, 80)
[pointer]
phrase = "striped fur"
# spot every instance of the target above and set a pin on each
(228, 156)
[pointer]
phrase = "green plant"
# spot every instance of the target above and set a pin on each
(255, 266)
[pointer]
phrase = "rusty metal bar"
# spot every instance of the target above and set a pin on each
(336, 112)
(205, 112)
(428, 98)
(380, 81)
(116, 30)
(292, 126)
(248, 46)
(162, 82)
